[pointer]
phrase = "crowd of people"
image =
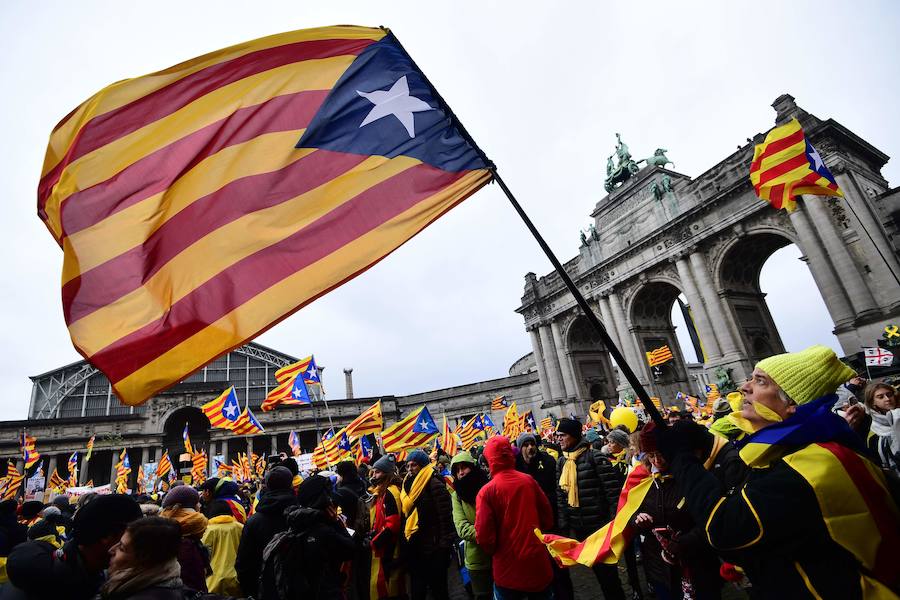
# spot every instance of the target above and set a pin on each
(790, 492)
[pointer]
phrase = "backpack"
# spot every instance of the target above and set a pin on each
(283, 574)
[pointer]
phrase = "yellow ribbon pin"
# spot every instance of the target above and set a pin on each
(892, 331)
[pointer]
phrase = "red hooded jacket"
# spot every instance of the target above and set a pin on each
(507, 511)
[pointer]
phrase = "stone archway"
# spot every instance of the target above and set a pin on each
(591, 363)
(738, 276)
(651, 321)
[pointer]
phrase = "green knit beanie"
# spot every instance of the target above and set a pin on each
(808, 374)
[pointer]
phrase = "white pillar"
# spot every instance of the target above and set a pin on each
(274, 444)
(51, 465)
(539, 362)
(225, 451)
(83, 474)
(628, 347)
(551, 363)
(698, 309)
(608, 322)
(830, 287)
(112, 468)
(568, 375)
(860, 296)
(714, 307)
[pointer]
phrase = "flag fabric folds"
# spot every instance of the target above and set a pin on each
(247, 424)
(659, 356)
(56, 482)
(362, 450)
(412, 431)
(294, 443)
(200, 205)
(607, 544)
(223, 412)
(471, 431)
(199, 461)
(164, 465)
(786, 165)
(499, 403)
(448, 440)
(332, 449)
(14, 481)
(547, 423)
(90, 448)
(29, 453)
(712, 392)
(72, 469)
(488, 423)
(292, 391)
(123, 470)
(878, 357)
(368, 421)
(185, 435)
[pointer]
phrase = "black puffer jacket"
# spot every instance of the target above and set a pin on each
(543, 470)
(38, 570)
(259, 530)
(599, 484)
(436, 530)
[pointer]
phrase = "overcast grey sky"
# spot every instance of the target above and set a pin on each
(542, 86)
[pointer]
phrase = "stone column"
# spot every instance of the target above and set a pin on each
(701, 317)
(860, 296)
(568, 376)
(144, 450)
(274, 444)
(714, 306)
(881, 265)
(83, 474)
(51, 465)
(224, 452)
(539, 362)
(608, 322)
(249, 446)
(551, 364)
(348, 383)
(112, 468)
(829, 287)
(626, 339)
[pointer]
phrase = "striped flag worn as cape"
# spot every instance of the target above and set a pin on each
(200, 205)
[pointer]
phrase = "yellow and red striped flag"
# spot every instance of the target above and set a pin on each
(14, 481)
(90, 448)
(472, 430)
(499, 403)
(199, 461)
(247, 424)
(605, 545)
(223, 412)
(29, 453)
(786, 165)
(141, 485)
(200, 205)
(448, 441)
(164, 465)
(56, 482)
(368, 421)
(659, 356)
(294, 381)
(123, 470)
(415, 430)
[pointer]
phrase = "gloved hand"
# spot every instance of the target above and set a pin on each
(683, 437)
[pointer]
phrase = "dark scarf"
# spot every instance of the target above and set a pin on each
(469, 486)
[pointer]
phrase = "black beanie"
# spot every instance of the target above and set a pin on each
(279, 478)
(103, 516)
(570, 426)
(314, 492)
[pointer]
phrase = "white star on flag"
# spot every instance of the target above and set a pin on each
(818, 163)
(230, 410)
(395, 101)
(297, 394)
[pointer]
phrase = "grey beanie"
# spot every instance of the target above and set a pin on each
(386, 464)
(524, 438)
(617, 436)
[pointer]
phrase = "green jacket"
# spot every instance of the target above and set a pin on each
(464, 521)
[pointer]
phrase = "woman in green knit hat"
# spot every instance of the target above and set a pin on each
(814, 518)
(468, 479)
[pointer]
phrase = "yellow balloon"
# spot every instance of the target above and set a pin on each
(624, 416)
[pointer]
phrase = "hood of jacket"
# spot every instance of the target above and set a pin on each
(273, 502)
(499, 454)
(300, 517)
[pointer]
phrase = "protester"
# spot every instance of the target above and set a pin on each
(468, 480)
(30, 512)
(540, 465)
(348, 477)
(182, 504)
(783, 526)
(228, 491)
(587, 497)
(12, 533)
(429, 530)
(386, 578)
(144, 563)
(38, 571)
(507, 511)
(222, 537)
(616, 449)
(677, 559)
(884, 437)
(261, 527)
(305, 560)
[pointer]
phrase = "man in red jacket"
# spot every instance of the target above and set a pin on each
(507, 511)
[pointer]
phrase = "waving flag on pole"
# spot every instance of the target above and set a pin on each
(294, 443)
(223, 412)
(200, 205)
(90, 448)
(448, 440)
(29, 453)
(413, 431)
(499, 403)
(786, 165)
(488, 424)
(187, 440)
(247, 423)
(72, 469)
(292, 391)
(164, 465)
(368, 421)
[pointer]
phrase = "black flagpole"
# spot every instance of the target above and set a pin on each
(582, 303)
(591, 317)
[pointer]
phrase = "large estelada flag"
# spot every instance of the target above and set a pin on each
(786, 165)
(200, 205)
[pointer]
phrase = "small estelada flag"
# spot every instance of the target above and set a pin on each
(878, 357)
(659, 356)
(786, 165)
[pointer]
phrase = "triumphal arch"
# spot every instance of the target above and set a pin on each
(659, 234)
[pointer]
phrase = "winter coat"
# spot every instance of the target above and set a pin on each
(12, 533)
(507, 511)
(258, 531)
(436, 532)
(222, 537)
(599, 484)
(464, 520)
(37, 571)
(193, 557)
(543, 469)
(690, 548)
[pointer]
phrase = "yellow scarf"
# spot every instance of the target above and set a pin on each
(568, 481)
(408, 501)
(718, 443)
